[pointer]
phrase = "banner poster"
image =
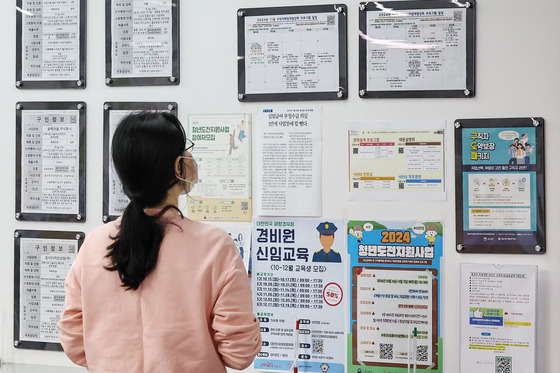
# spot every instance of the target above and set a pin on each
(223, 152)
(500, 196)
(298, 272)
(395, 297)
(498, 318)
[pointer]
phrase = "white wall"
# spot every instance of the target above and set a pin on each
(517, 75)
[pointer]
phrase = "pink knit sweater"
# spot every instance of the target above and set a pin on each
(192, 314)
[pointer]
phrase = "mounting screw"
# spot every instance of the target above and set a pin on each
(106, 106)
(536, 123)
(458, 125)
(80, 106)
(80, 83)
(78, 236)
(79, 217)
(467, 92)
(241, 96)
(467, 4)
(19, 107)
(340, 94)
(362, 92)
(362, 7)
(18, 83)
(172, 79)
(339, 9)
(538, 248)
(170, 107)
(460, 247)
(105, 218)
(18, 215)
(17, 234)
(240, 13)
(16, 343)
(108, 81)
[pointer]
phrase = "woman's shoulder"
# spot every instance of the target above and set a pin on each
(205, 230)
(102, 234)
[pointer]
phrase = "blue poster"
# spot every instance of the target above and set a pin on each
(395, 282)
(499, 180)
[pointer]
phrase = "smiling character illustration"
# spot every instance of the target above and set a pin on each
(357, 232)
(431, 233)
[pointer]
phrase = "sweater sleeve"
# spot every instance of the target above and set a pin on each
(236, 329)
(70, 326)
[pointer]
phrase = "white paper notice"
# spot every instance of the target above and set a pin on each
(50, 142)
(416, 50)
(291, 53)
(51, 40)
(289, 145)
(141, 33)
(44, 265)
(498, 318)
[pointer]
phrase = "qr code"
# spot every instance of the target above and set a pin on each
(330, 20)
(401, 185)
(422, 353)
(356, 184)
(318, 346)
(386, 351)
(244, 206)
(503, 364)
(401, 150)
(354, 150)
(458, 16)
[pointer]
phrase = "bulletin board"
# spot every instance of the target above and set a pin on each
(292, 53)
(51, 44)
(42, 260)
(499, 195)
(140, 49)
(414, 49)
(51, 161)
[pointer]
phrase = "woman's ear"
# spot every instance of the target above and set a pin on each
(178, 167)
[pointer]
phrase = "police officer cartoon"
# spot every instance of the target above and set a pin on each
(326, 236)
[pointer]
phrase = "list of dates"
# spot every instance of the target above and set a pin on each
(289, 292)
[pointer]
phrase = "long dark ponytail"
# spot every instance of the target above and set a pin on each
(144, 148)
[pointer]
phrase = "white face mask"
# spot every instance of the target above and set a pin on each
(191, 182)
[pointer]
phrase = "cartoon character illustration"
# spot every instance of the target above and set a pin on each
(431, 233)
(520, 153)
(238, 242)
(528, 151)
(242, 127)
(524, 139)
(491, 183)
(357, 232)
(232, 145)
(325, 367)
(326, 237)
(512, 151)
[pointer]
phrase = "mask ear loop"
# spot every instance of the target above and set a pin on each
(185, 180)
